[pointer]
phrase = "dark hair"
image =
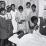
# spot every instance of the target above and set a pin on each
(33, 5)
(12, 5)
(20, 31)
(8, 6)
(28, 3)
(34, 18)
(2, 9)
(20, 7)
(8, 9)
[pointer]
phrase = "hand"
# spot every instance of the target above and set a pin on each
(21, 35)
(17, 19)
(36, 27)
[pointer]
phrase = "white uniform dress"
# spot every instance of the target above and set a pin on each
(14, 23)
(27, 12)
(21, 16)
(8, 16)
(34, 13)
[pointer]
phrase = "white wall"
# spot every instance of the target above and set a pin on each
(42, 3)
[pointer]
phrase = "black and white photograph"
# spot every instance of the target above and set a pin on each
(22, 22)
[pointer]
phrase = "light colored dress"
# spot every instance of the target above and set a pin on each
(27, 12)
(21, 16)
(14, 23)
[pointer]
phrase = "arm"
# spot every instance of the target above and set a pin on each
(2, 16)
(31, 27)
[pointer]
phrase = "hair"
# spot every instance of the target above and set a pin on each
(34, 18)
(8, 9)
(8, 6)
(12, 5)
(33, 5)
(3, 9)
(20, 7)
(20, 31)
(3, 2)
(28, 3)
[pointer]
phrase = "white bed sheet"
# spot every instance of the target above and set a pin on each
(34, 39)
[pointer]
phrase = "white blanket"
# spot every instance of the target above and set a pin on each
(29, 40)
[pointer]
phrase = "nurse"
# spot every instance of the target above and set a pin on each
(13, 16)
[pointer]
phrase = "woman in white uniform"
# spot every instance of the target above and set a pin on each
(21, 19)
(34, 10)
(13, 16)
(27, 12)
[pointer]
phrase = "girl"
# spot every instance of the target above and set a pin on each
(34, 20)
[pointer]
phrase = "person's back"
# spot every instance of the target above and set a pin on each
(4, 28)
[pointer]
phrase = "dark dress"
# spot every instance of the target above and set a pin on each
(6, 28)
